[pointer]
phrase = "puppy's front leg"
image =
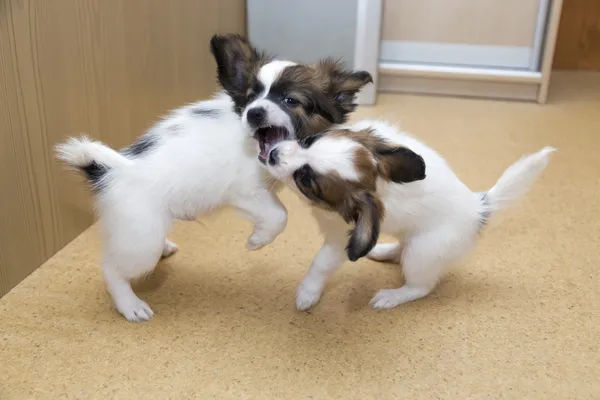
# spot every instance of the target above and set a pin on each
(328, 260)
(268, 215)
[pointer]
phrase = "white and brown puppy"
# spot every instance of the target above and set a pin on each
(203, 156)
(371, 177)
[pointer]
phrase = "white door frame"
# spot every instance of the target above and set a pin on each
(366, 46)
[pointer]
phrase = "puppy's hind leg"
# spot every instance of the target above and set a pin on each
(267, 213)
(127, 303)
(132, 252)
(424, 261)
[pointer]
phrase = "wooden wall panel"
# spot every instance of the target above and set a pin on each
(107, 67)
(578, 42)
(19, 211)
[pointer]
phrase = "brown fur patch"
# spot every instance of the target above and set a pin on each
(366, 230)
(342, 84)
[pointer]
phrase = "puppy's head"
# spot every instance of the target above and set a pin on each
(338, 171)
(280, 100)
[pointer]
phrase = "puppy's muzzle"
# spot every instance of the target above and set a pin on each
(256, 116)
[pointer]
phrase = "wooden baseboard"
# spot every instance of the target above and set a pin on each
(459, 87)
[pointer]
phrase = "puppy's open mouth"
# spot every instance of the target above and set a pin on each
(268, 137)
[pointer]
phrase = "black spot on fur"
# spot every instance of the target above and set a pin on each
(484, 216)
(142, 145)
(175, 128)
(94, 172)
(206, 112)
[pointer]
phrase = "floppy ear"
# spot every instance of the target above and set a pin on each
(364, 235)
(344, 84)
(236, 60)
(399, 164)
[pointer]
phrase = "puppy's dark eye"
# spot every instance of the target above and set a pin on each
(303, 176)
(290, 101)
(306, 181)
(308, 184)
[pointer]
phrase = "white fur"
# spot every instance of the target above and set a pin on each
(198, 163)
(335, 154)
(269, 72)
(436, 220)
(329, 154)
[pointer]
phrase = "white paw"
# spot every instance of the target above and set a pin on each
(306, 297)
(169, 248)
(384, 252)
(385, 299)
(259, 240)
(267, 232)
(136, 310)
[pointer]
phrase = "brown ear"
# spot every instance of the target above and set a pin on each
(399, 164)
(367, 216)
(236, 61)
(343, 83)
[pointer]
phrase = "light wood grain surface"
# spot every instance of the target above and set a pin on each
(107, 67)
(578, 43)
(482, 22)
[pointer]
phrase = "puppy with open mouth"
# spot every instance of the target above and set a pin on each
(292, 101)
(370, 177)
(204, 155)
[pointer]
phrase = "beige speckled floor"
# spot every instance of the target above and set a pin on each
(519, 319)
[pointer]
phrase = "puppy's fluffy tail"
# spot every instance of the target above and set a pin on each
(515, 182)
(93, 159)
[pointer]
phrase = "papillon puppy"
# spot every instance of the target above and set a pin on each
(205, 155)
(371, 177)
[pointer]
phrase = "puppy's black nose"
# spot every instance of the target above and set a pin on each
(274, 156)
(256, 116)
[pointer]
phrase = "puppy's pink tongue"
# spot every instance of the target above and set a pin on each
(265, 147)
